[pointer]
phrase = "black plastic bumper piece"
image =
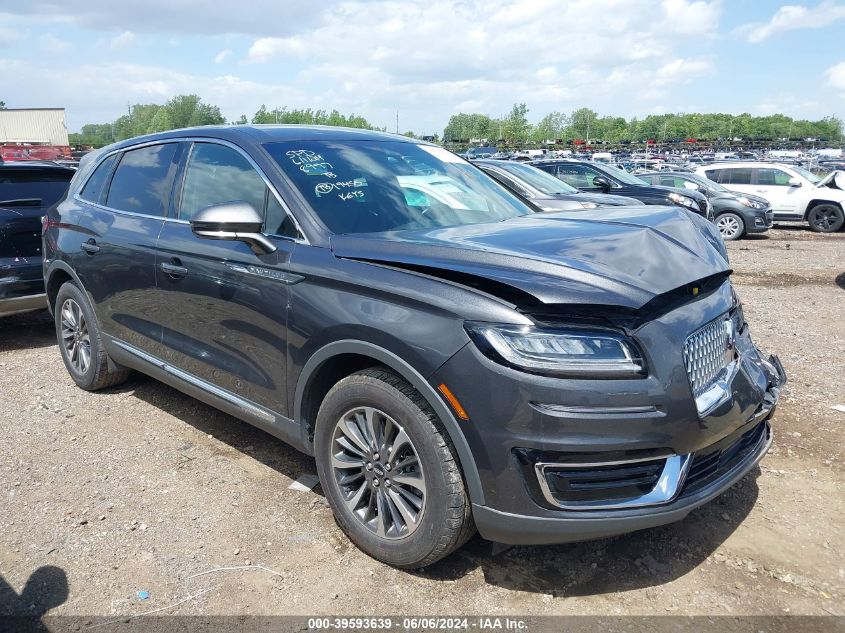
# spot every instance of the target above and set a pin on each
(515, 529)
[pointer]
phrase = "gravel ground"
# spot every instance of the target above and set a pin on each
(140, 489)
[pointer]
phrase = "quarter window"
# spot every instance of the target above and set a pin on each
(93, 189)
(141, 181)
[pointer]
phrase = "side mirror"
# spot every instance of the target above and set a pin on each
(602, 183)
(232, 221)
(794, 182)
(691, 185)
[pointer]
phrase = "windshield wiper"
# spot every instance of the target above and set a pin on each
(21, 202)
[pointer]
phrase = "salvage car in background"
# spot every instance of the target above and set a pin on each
(796, 195)
(599, 178)
(735, 214)
(542, 377)
(27, 190)
(546, 191)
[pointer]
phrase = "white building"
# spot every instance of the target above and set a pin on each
(36, 126)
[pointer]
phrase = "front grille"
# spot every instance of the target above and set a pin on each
(714, 462)
(705, 354)
(603, 483)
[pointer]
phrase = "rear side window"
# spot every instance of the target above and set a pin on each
(141, 180)
(93, 189)
(730, 176)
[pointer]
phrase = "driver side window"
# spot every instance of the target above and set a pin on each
(217, 174)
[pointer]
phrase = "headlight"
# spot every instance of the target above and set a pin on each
(745, 202)
(589, 205)
(574, 353)
(684, 201)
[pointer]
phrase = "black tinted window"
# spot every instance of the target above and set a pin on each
(217, 174)
(729, 176)
(32, 187)
(140, 183)
(93, 189)
(278, 222)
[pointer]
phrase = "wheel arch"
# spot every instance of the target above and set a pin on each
(812, 204)
(58, 274)
(342, 358)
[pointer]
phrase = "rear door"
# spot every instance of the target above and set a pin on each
(121, 212)
(773, 184)
(225, 317)
(733, 178)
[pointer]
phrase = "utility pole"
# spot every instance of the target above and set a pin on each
(397, 121)
(129, 108)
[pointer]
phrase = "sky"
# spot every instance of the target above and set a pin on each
(426, 59)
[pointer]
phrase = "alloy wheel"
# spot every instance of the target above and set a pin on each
(378, 472)
(76, 339)
(825, 218)
(728, 226)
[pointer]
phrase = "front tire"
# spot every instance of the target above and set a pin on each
(80, 342)
(731, 226)
(389, 471)
(826, 218)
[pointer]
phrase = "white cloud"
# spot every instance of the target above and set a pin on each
(49, 43)
(836, 77)
(125, 39)
(222, 56)
(793, 17)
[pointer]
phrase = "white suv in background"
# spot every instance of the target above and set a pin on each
(796, 195)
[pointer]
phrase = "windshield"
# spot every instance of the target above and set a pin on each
(541, 180)
(806, 174)
(32, 187)
(628, 179)
(378, 186)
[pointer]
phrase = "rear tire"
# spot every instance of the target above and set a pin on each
(731, 226)
(81, 343)
(390, 472)
(826, 218)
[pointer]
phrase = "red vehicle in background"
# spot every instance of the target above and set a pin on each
(16, 153)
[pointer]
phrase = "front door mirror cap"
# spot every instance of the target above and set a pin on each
(795, 182)
(235, 221)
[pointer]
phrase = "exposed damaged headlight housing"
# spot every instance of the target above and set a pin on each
(684, 201)
(573, 353)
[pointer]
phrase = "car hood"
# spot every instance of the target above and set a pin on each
(608, 200)
(739, 194)
(621, 256)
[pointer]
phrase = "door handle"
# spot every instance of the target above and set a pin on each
(90, 247)
(174, 270)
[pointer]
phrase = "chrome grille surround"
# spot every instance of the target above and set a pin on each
(707, 351)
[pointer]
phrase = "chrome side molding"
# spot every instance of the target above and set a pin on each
(244, 405)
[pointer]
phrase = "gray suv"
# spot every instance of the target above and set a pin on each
(453, 359)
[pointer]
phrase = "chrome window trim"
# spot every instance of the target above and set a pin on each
(192, 140)
(667, 488)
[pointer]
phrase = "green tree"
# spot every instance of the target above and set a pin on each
(2, 105)
(515, 126)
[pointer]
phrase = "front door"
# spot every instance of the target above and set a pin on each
(225, 307)
(773, 184)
